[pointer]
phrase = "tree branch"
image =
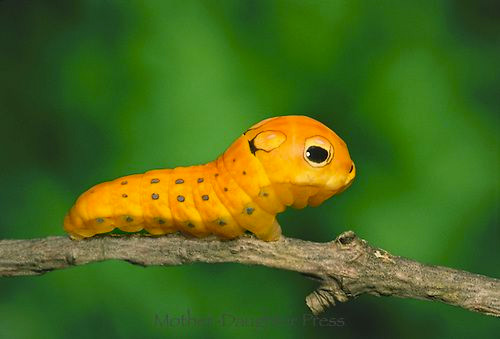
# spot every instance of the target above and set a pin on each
(345, 267)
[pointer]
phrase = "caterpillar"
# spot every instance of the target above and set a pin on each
(282, 161)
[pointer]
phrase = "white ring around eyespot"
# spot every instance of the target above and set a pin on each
(321, 142)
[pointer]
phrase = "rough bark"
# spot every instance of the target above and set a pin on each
(345, 267)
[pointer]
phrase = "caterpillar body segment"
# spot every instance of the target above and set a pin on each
(283, 161)
(156, 213)
(251, 177)
(239, 203)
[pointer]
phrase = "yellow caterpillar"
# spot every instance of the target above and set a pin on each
(283, 161)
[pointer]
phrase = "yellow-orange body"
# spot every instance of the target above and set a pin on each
(284, 161)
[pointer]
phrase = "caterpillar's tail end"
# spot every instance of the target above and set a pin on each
(71, 227)
(74, 236)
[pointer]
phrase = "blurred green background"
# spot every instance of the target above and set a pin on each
(93, 90)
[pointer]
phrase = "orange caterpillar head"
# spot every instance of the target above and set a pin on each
(306, 162)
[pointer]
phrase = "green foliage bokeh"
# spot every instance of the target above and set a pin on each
(93, 90)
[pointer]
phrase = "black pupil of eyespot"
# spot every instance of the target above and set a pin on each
(317, 154)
